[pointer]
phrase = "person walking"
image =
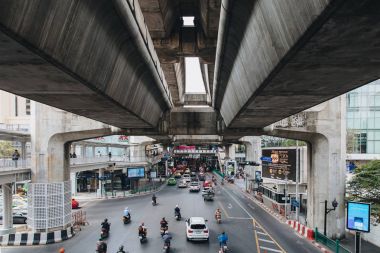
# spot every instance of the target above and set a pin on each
(15, 157)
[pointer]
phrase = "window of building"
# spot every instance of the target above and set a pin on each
(27, 106)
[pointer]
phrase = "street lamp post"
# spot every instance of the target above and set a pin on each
(286, 173)
(327, 210)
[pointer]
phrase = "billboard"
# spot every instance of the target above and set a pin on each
(282, 161)
(358, 216)
(136, 172)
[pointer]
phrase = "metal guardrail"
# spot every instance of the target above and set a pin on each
(104, 159)
(329, 243)
(7, 162)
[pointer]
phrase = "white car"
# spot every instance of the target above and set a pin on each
(207, 190)
(196, 229)
(182, 184)
(194, 187)
(186, 177)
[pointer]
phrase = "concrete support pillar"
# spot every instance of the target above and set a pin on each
(73, 179)
(83, 151)
(7, 210)
(93, 151)
(252, 148)
(23, 154)
(230, 151)
(100, 185)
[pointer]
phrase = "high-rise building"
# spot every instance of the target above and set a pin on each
(363, 122)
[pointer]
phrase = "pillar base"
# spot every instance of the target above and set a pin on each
(5, 231)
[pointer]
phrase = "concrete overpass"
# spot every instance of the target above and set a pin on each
(121, 63)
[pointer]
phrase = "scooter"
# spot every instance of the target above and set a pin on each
(163, 229)
(177, 216)
(218, 219)
(104, 233)
(142, 237)
(126, 219)
(154, 203)
(223, 249)
(101, 247)
(166, 248)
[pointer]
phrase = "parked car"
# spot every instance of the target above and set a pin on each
(74, 204)
(172, 181)
(194, 187)
(196, 229)
(182, 184)
(186, 177)
(17, 219)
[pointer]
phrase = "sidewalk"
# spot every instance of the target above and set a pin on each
(348, 242)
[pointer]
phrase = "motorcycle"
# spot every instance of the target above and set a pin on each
(223, 249)
(154, 203)
(142, 237)
(166, 248)
(101, 247)
(177, 216)
(163, 229)
(104, 233)
(126, 219)
(218, 218)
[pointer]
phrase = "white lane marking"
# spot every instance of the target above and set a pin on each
(270, 249)
(261, 233)
(266, 240)
(251, 206)
(240, 218)
(237, 202)
(229, 206)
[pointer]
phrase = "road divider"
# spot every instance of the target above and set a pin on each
(301, 229)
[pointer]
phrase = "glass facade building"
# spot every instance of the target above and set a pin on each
(363, 119)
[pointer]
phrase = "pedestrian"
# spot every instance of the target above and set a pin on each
(61, 250)
(109, 155)
(74, 155)
(15, 157)
(99, 154)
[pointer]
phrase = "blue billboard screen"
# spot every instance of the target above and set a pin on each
(136, 172)
(358, 216)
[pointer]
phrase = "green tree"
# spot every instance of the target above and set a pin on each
(6, 149)
(365, 186)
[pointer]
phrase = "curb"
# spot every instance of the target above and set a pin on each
(31, 238)
(324, 250)
(301, 229)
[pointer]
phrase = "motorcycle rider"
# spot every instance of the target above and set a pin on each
(163, 223)
(222, 238)
(127, 213)
(121, 249)
(106, 225)
(101, 246)
(177, 211)
(218, 214)
(142, 230)
(154, 199)
(167, 237)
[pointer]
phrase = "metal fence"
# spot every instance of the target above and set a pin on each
(7, 162)
(329, 243)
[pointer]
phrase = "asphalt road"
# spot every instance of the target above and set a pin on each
(250, 229)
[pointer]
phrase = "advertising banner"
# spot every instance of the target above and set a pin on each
(282, 161)
(358, 216)
(136, 172)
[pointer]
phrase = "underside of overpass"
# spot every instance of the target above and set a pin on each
(123, 62)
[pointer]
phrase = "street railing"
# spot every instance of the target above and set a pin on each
(7, 162)
(104, 159)
(329, 243)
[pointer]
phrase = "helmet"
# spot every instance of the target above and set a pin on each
(163, 218)
(61, 250)
(142, 224)
(121, 247)
(166, 232)
(105, 220)
(176, 205)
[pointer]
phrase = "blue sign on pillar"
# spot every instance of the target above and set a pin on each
(266, 159)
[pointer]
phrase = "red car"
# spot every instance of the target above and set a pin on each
(74, 204)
